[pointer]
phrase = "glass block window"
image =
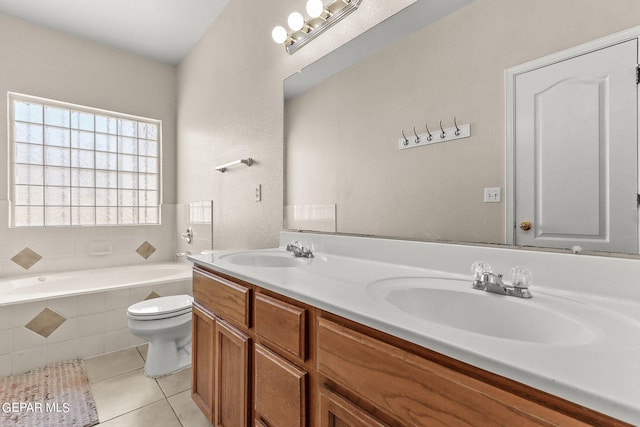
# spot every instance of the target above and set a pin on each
(79, 166)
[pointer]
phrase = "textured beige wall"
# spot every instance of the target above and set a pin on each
(49, 64)
(342, 136)
(231, 107)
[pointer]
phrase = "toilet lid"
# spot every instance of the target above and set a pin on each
(170, 306)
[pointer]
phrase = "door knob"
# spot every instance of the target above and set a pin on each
(525, 225)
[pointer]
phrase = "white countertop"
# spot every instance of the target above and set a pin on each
(598, 366)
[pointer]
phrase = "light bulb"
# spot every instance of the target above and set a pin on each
(279, 34)
(296, 21)
(315, 8)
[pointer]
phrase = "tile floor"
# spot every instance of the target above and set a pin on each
(125, 397)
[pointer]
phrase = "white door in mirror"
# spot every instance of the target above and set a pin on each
(576, 162)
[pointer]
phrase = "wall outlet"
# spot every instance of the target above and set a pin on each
(258, 193)
(492, 194)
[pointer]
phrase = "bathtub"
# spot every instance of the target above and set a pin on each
(87, 310)
(44, 286)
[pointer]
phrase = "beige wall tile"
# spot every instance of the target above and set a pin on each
(26, 258)
(46, 322)
(145, 250)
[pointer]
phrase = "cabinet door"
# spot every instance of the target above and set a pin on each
(202, 360)
(232, 376)
(280, 390)
(338, 412)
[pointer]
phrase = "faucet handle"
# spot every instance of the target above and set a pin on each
(188, 235)
(478, 268)
(294, 244)
(522, 277)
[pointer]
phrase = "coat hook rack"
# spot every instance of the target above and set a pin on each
(223, 168)
(404, 139)
(446, 134)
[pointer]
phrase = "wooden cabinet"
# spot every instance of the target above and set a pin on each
(231, 376)
(281, 381)
(203, 362)
(234, 382)
(220, 370)
(221, 350)
(265, 360)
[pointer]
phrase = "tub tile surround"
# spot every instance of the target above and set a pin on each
(599, 373)
(94, 324)
(152, 295)
(145, 250)
(70, 248)
(45, 323)
(26, 258)
(199, 217)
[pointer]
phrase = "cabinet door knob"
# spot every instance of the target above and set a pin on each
(525, 225)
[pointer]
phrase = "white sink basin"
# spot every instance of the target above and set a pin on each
(271, 259)
(453, 303)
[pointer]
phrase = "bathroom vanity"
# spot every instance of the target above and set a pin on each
(327, 341)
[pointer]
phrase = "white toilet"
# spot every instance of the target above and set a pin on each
(166, 323)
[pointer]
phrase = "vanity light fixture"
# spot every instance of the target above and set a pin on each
(321, 18)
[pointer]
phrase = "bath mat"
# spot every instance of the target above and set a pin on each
(57, 395)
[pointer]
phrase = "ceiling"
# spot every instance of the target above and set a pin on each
(164, 30)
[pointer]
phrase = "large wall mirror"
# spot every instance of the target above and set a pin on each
(432, 62)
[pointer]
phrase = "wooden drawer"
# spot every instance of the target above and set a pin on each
(335, 411)
(225, 299)
(281, 324)
(416, 391)
(280, 390)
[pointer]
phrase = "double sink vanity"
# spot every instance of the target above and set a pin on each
(382, 332)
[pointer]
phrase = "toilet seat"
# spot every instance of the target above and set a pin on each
(161, 308)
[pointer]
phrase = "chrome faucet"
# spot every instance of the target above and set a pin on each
(188, 235)
(300, 250)
(485, 280)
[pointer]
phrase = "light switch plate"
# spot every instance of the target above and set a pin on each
(492, 194)
(258, 193)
